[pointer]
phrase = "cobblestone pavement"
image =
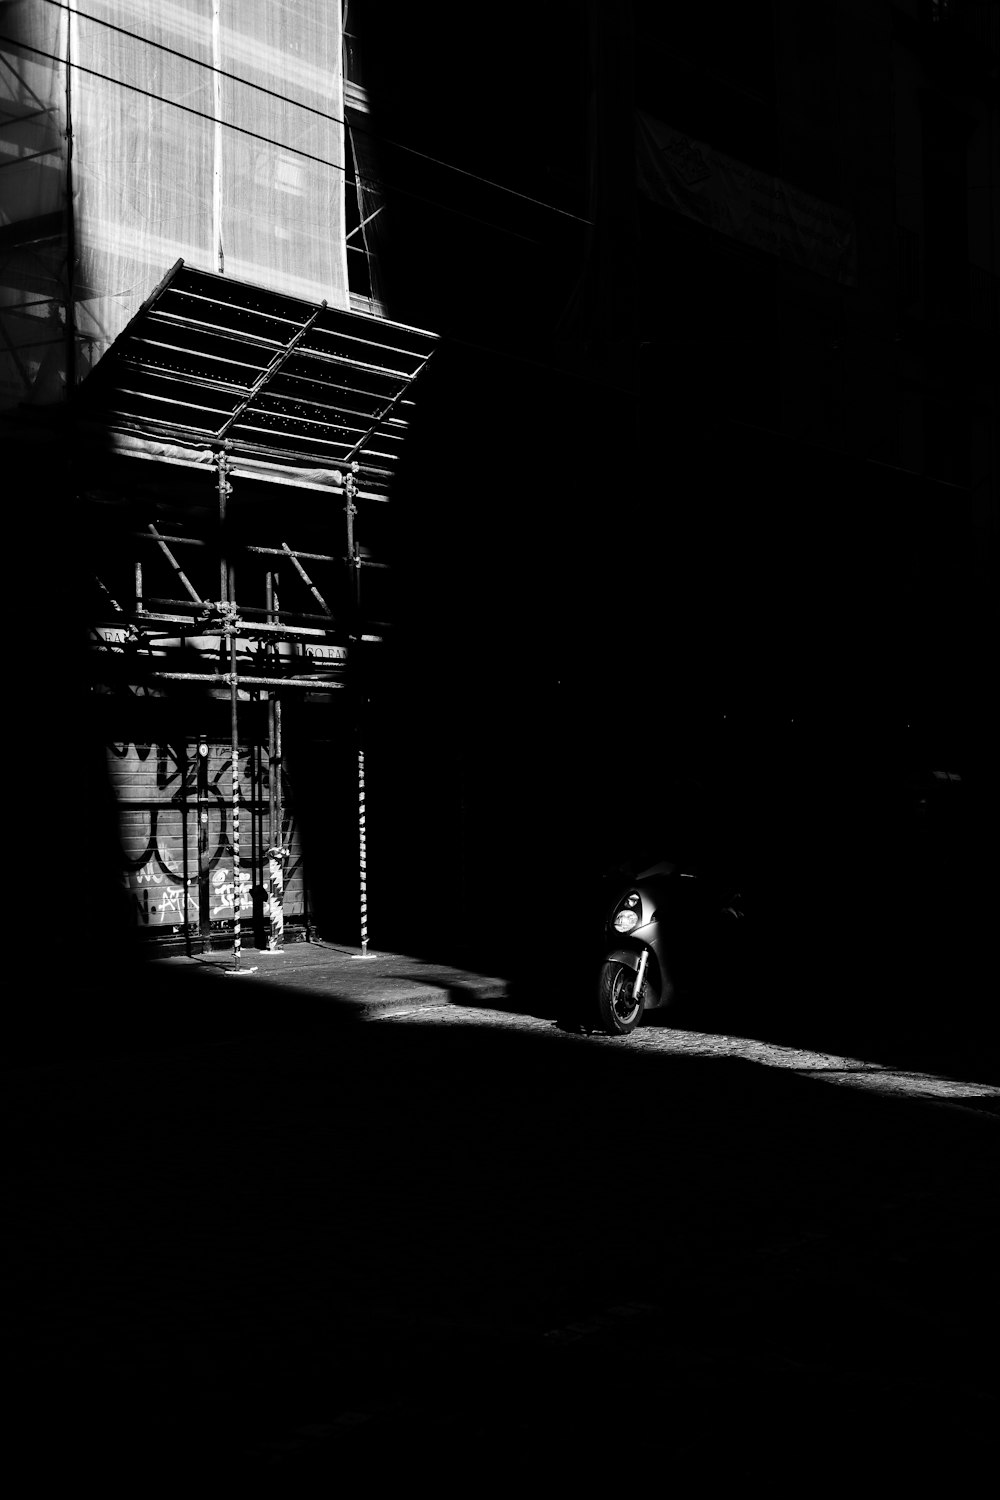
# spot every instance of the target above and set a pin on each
(464, 1241)
(824, 1067)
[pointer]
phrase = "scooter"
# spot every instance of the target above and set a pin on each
(667, 928)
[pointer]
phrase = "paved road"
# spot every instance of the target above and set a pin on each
(453, 1239)
(946, 1088)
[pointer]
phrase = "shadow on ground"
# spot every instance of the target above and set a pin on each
(267, 1240)
(938, 1019)
(934, 1019)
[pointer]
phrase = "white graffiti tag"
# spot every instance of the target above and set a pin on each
(173, 903)
(224, 890)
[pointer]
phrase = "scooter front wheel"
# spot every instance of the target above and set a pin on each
(619, 1008)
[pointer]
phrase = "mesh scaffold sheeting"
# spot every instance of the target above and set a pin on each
(134, 133)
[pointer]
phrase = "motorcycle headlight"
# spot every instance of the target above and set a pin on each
(627, 913)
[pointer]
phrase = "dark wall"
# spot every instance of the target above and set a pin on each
(501, 103)
(606, 552)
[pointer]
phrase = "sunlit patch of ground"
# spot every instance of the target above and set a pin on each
(827, 1067)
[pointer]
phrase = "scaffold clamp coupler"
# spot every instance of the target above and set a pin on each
(231, 621)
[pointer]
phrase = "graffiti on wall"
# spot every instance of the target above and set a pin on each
(162, 821)
(159, 894)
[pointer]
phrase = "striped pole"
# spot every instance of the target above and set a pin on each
(233, 698)
(276, 881)
(237, 891)
(362, 853)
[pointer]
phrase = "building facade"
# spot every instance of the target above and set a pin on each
(208, 404)
(715, 397)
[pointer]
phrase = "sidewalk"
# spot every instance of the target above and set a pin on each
(376, 984)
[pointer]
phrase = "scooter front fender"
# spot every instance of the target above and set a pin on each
(627, 956)
(659, 991)
(660, 987)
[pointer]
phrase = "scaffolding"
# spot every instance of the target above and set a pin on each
(258, 577)
(134, 133)
(232, 440)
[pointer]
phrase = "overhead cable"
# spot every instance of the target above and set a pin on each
(321, 114)
(267, 140)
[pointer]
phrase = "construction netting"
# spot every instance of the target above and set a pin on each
(137, 132)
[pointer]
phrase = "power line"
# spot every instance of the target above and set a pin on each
(321, 114)
(487, 181)
(174, 104)
(267, 140)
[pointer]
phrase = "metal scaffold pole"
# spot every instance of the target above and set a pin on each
(232, 629)
(71, 288)
(225, 490)
(276, 851)
(227, 606)
(233, 700)
(362, 851)
(354, 563)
